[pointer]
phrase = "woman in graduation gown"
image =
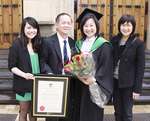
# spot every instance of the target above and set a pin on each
(88, 108)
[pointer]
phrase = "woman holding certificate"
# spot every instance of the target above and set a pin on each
(94, 92)
(23, 63)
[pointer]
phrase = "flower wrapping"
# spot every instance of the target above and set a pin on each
(81, 65)
(97, 95)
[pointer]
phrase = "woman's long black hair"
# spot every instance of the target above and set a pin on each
(36, 40)
(83, 21)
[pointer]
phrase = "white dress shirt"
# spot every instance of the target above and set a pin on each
(61, 43)
(87, 44)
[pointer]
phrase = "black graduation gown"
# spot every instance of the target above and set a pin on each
(86, 110)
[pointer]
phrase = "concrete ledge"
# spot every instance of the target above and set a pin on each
(46, 23)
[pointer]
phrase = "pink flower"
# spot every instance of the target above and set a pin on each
(68, 68)
(82, 58)
(70, 62)
(77, 58)
(71, 68)
(79, 64)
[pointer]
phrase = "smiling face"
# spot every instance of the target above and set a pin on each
(30, 31)
(63, 26)
(126, 29)
(89, 28)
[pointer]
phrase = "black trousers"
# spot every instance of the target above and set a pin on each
(123, 102)
(51, 119)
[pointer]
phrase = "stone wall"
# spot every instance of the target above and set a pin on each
(148, 28)
(45, 12)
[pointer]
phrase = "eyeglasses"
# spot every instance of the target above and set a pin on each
(126, 25)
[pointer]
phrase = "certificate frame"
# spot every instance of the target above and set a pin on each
(46, 88)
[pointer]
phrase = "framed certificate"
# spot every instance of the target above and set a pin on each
(50, 96)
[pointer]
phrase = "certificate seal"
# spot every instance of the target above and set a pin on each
(42, 108)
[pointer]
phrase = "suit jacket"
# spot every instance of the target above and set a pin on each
(50, 54)
(50, 60)
(132, 63)
(20, 58)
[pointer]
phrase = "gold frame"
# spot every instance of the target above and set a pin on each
(50, 78)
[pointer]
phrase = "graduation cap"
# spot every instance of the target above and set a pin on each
(87, 10)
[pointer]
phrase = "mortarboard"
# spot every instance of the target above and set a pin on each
(87, 10)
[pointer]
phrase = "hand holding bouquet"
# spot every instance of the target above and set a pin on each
(83, 66)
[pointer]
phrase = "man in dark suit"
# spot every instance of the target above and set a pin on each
(53, 54)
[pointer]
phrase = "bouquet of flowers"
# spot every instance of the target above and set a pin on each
(81, 65)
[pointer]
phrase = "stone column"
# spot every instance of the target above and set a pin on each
(148, 28)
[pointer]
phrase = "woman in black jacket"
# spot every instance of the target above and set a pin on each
(23, 62)
(129, 66)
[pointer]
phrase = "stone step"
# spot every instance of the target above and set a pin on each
(147, 65)
(146, 81)
(6, 86)
(147, 51)
(4, 51)
(5, 60)
(147, 58)
(6, 76)
(147, 69)
(4, 54)
(3, 57)
(145, 89)
(140, 100)
(143, 99)
(146, 86)
(145, 92)
(4, 66)
(7, 95)
(147, 74)
(8, 98)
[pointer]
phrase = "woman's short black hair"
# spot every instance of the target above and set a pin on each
(83, 21)
(127, 18)
(36, 40)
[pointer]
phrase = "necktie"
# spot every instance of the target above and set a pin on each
(66, 59)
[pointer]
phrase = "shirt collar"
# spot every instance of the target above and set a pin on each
(91, 39)
(61, 39)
